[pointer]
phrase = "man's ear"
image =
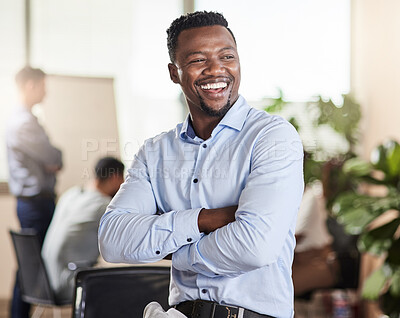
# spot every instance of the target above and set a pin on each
(173, 73)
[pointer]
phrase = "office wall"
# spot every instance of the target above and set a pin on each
(376, 69)
(80, 117)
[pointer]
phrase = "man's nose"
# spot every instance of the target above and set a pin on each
(214, 66)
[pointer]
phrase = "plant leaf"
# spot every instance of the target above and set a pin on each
(355, 220)
(393, 159)
(386, 157)
(395, 284)
(357, 167)
(343, 119)
(374, 284)
(379, 158)
(380, 239)
(277, 104)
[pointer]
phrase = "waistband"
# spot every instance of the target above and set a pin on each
(44, 195)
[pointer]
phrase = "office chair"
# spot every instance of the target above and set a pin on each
(119, 291)
(33, 278)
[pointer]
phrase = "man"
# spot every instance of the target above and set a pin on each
(220, 192)
(33, 164)
(71, 240)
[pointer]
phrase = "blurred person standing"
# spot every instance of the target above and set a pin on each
(71, 240)
(33, 163)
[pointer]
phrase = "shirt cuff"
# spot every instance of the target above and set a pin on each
(186, 226)
(187, 258)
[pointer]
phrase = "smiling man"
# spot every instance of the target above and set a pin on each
(219, 194)
(210, 91)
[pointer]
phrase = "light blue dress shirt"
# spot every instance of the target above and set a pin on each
(253, 160)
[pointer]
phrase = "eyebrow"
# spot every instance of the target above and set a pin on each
(201, 52)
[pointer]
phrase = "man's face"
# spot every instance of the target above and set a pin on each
(208, 69)
(36, 90)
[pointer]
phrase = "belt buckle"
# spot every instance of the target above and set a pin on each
(222, 311)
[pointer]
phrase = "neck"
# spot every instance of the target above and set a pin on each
(204, 123)
(99, 186)
(203, 127)
(26, 103)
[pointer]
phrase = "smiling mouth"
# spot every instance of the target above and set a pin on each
(213, 88)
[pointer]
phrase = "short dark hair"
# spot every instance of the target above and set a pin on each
(107, 167)
(192, 20)
(29, 73)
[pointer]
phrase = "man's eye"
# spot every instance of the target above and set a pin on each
(228, 57)
(197, 61)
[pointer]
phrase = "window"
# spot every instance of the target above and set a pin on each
(12, 58)
(301, 47)
(125, 40)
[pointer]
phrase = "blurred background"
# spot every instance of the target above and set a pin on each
(108, 87)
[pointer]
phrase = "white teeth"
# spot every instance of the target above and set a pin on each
(213, 85)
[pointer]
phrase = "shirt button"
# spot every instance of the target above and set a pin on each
(204, 145)
(196, 180)
(189, 239)
(204, 291)
(158, 252)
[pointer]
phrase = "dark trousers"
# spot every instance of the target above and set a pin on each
(36, 213)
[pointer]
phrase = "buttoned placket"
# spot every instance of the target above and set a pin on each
(196, 176)
(202, 152)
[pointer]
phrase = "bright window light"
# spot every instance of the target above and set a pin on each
(301, 47)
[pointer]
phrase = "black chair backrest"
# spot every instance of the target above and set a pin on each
(34, 282)
(348, 254)
(119, 291)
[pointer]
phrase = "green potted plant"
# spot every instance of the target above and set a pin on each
(357, 209)
(340, 120)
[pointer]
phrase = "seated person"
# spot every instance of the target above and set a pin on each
(71, 240)
(314, 265)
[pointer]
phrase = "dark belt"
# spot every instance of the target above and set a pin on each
(208, 309)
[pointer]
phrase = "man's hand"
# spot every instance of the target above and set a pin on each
(211, 219)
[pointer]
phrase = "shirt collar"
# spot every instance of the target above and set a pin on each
(234, 118)
(184, 134)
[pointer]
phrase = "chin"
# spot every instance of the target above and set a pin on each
(216, 111)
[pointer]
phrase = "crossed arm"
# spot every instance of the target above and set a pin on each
(225, 241)
(211, 219)
(32, 140)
